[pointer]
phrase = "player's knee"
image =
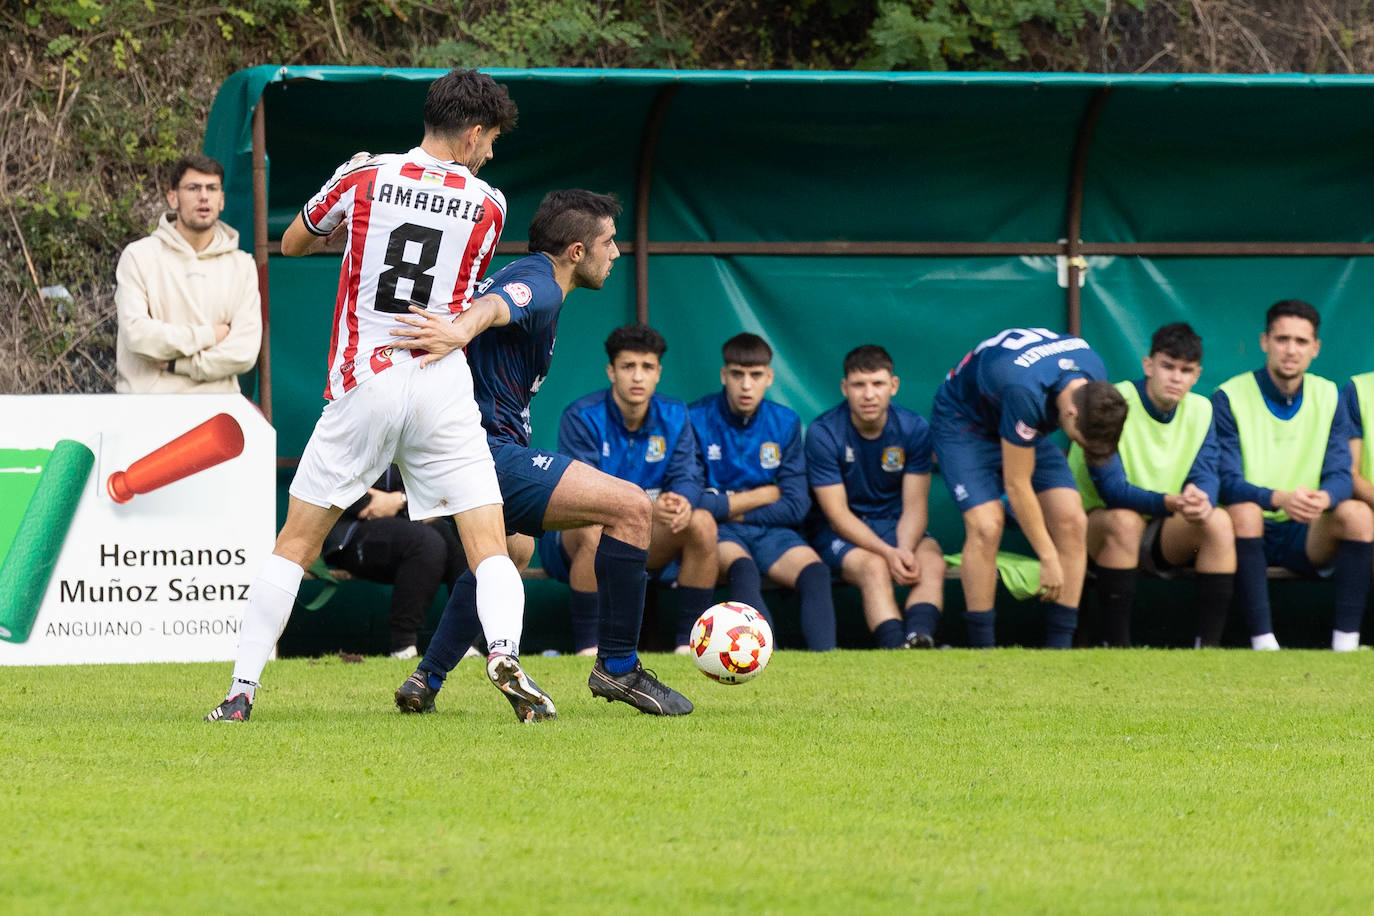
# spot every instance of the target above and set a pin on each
(1217, 527)
(869, 568)
(984, 530)
(1355, 521)
(702, 529)
(1246, 519)
(1069, 525)
(1123, 526)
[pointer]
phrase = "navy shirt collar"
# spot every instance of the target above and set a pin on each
(614, 414)
(1271, 391)
(1157, 415)
(733, 418)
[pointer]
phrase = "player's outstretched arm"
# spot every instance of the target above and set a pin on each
(438, 337)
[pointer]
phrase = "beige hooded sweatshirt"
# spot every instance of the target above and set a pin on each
(169, 297)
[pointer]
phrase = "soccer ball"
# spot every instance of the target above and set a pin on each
(731, 642)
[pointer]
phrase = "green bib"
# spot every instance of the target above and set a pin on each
(1156, 456)
(1282, 454)
(1364, 388)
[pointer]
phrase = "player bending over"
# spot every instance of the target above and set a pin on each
(990, 423)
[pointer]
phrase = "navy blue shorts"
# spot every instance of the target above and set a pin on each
(833, 548)
(972, 466)
(527, 477)
(765, 543)
(1285, 544)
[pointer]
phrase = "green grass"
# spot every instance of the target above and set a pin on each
(1004, 781)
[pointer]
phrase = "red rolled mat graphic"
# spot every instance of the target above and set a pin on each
(216, 440)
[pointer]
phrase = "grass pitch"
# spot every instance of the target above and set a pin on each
(1002, 781)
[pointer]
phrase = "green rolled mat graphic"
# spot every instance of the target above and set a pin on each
(38, 537)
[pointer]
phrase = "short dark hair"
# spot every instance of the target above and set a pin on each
(573, 215)
(635, 338)
(1178, 340)
(746, 350)
(196, 162)
(464, 98)
(1291, 308)
(868, 358)
(1101, 414)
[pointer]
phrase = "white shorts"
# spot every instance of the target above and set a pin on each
(423, 419)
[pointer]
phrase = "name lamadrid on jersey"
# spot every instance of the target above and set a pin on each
(422, 231)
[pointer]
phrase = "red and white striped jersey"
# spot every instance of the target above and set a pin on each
(421, 230)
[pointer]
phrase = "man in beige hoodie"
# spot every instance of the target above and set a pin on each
(190, 319)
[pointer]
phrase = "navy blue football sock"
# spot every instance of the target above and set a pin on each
(889, 634)
(457, 628)
(1213, 598)
(746, 586)
(583, 610)
(690, 603)
(1115, 600)
(1060, 622)
(620, 664)
(981, 633)
(620, 583)
(1351, 575)
(817, 607)
(1252, 588)
(922, 618)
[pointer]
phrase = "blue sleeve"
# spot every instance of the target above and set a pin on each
(1022, 413)
(920, 451)
(684, 473)
(1203, 473)
(822, 457)
(1119, 493)
(1350, 406)
(534, 301)
(577, 439)
(790, 509)
(1234, 488)
(1336, 479)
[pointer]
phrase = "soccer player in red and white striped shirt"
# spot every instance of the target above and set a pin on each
(421, 229)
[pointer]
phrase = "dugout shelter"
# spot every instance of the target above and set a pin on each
(922, 211)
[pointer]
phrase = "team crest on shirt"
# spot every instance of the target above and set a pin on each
(713, 452)
(894, 457)
(849, 454)
(1024, 431)
(605, 450)
(770, 455)
(656, 449)
(519, 293)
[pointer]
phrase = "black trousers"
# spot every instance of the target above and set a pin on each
(413, 557)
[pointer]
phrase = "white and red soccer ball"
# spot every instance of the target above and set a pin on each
(731, 642)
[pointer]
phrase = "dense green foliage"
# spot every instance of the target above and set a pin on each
(98, 97)
(1007, 781)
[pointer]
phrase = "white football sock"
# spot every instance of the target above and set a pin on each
(1265, 642)
(1344, 642)
(500, 604)
(270, 599)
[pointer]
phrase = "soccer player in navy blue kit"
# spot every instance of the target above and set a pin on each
(1285, 468)
(509, 335)
(632, 432)
(755, 472)
(990, 423)
(869, 461)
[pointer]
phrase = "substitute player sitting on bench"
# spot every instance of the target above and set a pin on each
(630, 431)
(1153, 505)
(869, 462)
